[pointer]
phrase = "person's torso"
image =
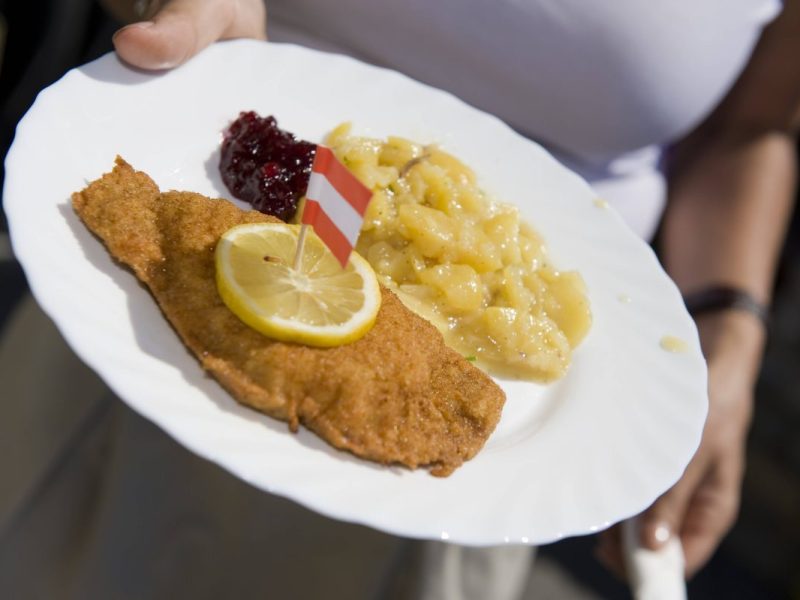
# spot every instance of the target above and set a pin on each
(599, 84)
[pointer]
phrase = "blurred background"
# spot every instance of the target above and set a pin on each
(40, 41)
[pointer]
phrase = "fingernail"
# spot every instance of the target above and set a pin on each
(140, 25)
(661, 533)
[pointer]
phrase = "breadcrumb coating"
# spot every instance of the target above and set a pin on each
(396, 396)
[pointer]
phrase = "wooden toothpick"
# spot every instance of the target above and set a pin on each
(298, 254)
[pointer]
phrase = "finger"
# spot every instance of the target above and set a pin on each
(710, 515)
(184, 27)
(664, 518)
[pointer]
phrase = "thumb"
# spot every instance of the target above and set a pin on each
(182, 28)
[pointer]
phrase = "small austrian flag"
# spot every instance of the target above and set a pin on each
(335, 204)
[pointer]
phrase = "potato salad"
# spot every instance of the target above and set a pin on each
(464, 261)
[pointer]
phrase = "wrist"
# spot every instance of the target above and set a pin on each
(716, 298)
(733, 340)
(732, 324)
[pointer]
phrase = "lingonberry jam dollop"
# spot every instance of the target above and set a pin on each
(265, 165)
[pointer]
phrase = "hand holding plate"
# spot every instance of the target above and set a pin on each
(179, 29)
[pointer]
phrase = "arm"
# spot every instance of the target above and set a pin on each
(728, 211)
(731, 186)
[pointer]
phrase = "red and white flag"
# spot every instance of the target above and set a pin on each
(335, 204)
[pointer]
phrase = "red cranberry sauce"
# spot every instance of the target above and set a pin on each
(264, 165)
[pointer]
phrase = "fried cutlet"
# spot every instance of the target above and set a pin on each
(396, 396)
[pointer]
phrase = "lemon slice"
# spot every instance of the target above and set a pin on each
(319, 304)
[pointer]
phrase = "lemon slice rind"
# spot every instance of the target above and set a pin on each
(246, 307)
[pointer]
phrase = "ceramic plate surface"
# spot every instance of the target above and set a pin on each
(566, 459)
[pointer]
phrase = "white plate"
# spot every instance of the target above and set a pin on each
(566, 459)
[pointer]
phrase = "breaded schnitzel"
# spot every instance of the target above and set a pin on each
(396, 396)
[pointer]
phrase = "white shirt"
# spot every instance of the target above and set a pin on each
(602, 85)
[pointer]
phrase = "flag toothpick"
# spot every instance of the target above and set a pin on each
(335, 205)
